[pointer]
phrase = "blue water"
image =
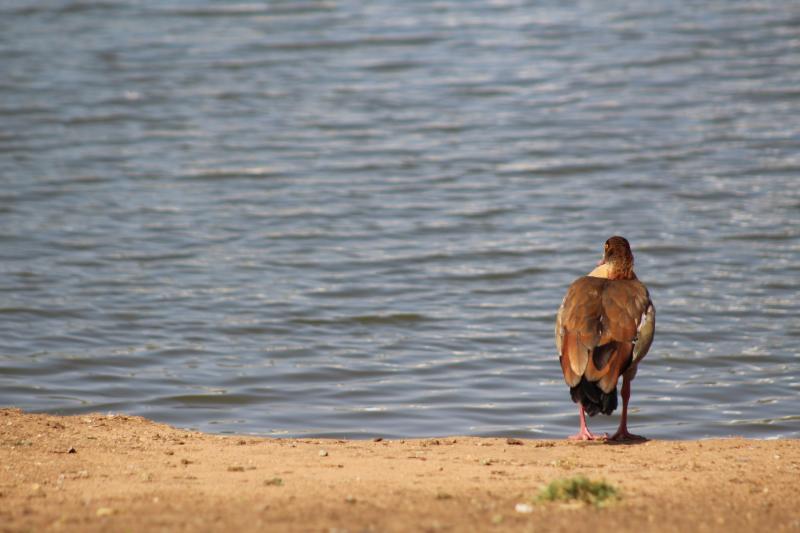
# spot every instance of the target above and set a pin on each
(344, 218)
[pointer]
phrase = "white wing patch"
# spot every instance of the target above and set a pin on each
(644, 332)
(559, 328)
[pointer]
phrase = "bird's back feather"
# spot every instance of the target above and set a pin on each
(602, 328)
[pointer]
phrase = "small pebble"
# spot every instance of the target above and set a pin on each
(350, 498)
(235, 469)
(105, 511)
(523, 508)
(323, 453)
(72, 450)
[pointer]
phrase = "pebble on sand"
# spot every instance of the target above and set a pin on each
(523, 508)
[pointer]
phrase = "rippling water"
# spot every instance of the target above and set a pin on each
(348, 218)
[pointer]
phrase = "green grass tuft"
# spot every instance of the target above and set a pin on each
(580, 489)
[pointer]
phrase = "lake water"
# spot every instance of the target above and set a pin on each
(352, 219)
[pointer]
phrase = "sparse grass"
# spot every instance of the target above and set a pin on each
(580, 489)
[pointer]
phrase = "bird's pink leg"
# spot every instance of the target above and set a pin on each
(622, 432)
(584, 433)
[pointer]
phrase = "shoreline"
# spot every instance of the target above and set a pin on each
(117, 472)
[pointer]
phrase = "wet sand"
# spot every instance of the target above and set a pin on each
(116, 472)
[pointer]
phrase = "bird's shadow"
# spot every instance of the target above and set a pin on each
(631, 442)
(608, 442)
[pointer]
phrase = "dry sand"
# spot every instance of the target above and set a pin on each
(115, 472)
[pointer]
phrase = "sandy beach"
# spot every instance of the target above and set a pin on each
(115, 472)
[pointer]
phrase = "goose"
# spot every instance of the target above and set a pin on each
(604, 328)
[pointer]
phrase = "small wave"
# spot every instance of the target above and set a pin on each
(233, 173)
(769, 95)
(248, 9)
(762, 236)
(393, 66)
(67, 8)
(220, 399)
(365, 320)
(497, 275)
(565, 169)
(387, 41)
(42, 312)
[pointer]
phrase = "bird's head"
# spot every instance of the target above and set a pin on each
(619, 258)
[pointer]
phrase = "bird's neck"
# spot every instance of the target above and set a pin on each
(613, 271)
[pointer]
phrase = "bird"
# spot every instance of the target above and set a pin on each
(604, 328)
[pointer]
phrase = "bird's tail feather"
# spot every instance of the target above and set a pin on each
(592, 398)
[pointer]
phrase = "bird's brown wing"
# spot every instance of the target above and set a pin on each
(601, 328)
(577, 326)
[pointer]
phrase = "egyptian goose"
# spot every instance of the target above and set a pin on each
(604, 327)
